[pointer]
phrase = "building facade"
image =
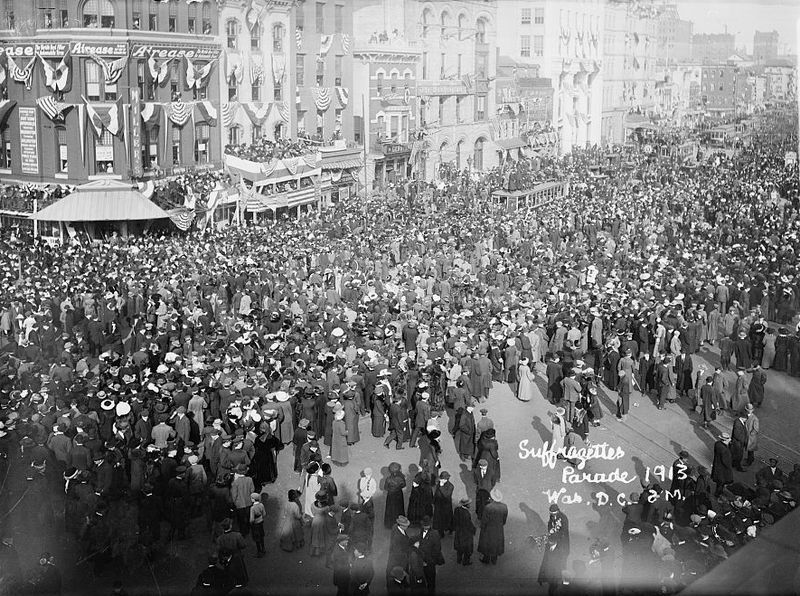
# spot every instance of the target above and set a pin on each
(713, 48)
(674, 36)
(781, 81)
(765, 46)
(257, 73)
(631, 70)
(107, 89)
(564, 40)
(723, 89)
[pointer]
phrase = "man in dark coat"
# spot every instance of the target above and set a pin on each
(464, 433)
(739, 436)
(484, 483)
(463, 532)
(361, 571)
(743, 351)
(556, 550)
(555, 373)
(722, 466)
(341, 565)
(492, 541)
(430, 546)
(399, 546)
(398, 423)
(769, 475)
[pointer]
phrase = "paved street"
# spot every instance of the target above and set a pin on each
(648, 437)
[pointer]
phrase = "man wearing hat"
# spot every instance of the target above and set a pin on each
(422, 413)
(722, 466)
(430, 546)
(463, 532)
(752, 426)
(770, 475)
(492, 541)
(556, 549)
(241, 488)
(399, 547)
(484, 483)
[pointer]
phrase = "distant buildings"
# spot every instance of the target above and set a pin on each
(713, 47)
(674, 36)
(765, 46)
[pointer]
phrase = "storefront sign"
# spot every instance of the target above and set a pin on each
(111, 50)
(29, 50)
(441, 88)
(196, 52)
(395, 149)
(136, 133)
(28, 140)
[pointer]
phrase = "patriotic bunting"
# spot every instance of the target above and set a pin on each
(82, 130)
(253, 15)
(234, 68)
(283, 111)
(345, 43)
(150, 114)
(197, 76)
(256, 69)
(257, 112)
(229, 111)
(55, 110)
(278, 68)
(2, 69)
(322, 98)
(178, 112)
(181, 217)
(325, 43)
(116, 119)
(6, 105)
(108, 116)
(24, 74)
(343, 95)
(112, 70)
(298, 36)
(159, 71)
(57, 79)
(206, 112)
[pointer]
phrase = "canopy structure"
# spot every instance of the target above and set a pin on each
(102, 200)
(512, 143)
(276, 170)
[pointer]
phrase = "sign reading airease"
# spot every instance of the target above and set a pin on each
(54, 49)
(91, 48)
(158, 50)
(28, 140)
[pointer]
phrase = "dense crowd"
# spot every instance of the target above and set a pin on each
(265, 150)
(156, 379)
(21, 198)
(193, 188)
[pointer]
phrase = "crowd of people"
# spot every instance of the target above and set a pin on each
(192, 187)
(156, 379)
(265, 150)
(22, 198)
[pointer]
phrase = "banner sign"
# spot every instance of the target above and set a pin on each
(28, 140)
(194, 52)
(136, 133)
(57, 49)
(110, 50)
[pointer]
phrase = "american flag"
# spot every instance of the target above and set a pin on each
(54, 110)
(298, 36)
(112, 71)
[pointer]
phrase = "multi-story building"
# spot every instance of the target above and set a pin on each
(385, 76)
(713, 48)
(564, 39)
(781, 78)
(723, 89)
(765, 46)
(107, 89)
(674, 36)
(457, 41)
(257, 74)
(630, 61)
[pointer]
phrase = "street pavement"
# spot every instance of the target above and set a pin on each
(648, 437)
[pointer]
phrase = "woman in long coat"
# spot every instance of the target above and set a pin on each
(291, 529)
(768, 358)
(463, 532)
(340, 452)
(443, 504)
(320, 538)
(488, 450)
(395, 502)
(755, 390)
(378, 414)
(420, 502)
(492, 541)
(263, 467)
(527, 382)
(556, 548)
(310, 487)
(558, 426)
(351, 419)
(712, 329)
(739, 398)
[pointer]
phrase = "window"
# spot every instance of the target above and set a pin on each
(338, 18)
(480, 111)
(381, 126)
(174, 77)
(106, 14)
(337, 71)
(257, 134)
(136, 19)
(525, 46)
(255, 37)
(232, 33)
(234, 135)
(176, 145)
(207, 17)
(480, 33)
(442, 68)
(538, 16)
(337, 113)
(62, 163)
(5, 149)
(394, 127)
(300, 16)
(444, 21)
(458, 66)
(538, 45)
(277, 91)
(426, 20)
(320, 73)
(141, 79)
(301, 121)
(172, 21)
(64, 18)
(300, 70)
(407, 80)
(394, 82)
(320, 122)
(201, 93)
(98, 13)
(320, 17)
(379, 84)
(404, 129)
(277, 38)
(152, 19)
(255, 92)
(480, 65)
(441, 111)
(150, 148)
(526, 16)
(104, 154)
(458, 110)
(11, 22)
(92, 81)
(202, 136)
(191, 21)
(462, 25)
(279, 131)
(424, 65)
(233, 90)
(46, 18)
(477, 158)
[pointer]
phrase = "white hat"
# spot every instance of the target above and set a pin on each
(123, 408)
(107, 404)
(337, 332)
(281, 396)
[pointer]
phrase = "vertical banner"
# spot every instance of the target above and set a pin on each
(135, 133)
(28, 140)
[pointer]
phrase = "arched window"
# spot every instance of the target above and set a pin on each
(98, 13)
(192, 19)
(207, 18)
(427, 18)
(279, 130)
(443, 152)
(232, 32)
(255, 36)
(459, 148)
(381, 126)
(444, 21)
(480, 33)
(477, 156)
(234, 135)
(462, 25)
(277, 38)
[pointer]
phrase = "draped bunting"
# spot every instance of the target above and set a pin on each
(57, 78)
(150, 114)
(234, 68)
(298, 36)
(229, 112)
(278, 68)
(24, 74)
(345, 43)
(197, 76)
(325, 43)
(159, 71)
(3, 63)
(55, 110)
(6, 105)
(108, 116)
(256, 69)
(343, 95)
(205, 112)
(253, 15)
(178, 112)
(181, 217)
(82, 130)
(257, 112)
(283, 111)
(112, 70)
(322, 98)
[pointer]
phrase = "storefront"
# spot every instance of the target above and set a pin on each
(395, 163)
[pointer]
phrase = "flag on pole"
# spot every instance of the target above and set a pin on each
(112, 70)
(116, 119)
(325, 43)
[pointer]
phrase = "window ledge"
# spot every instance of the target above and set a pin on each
(105, 177)
(5, 171)
(62, 175)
